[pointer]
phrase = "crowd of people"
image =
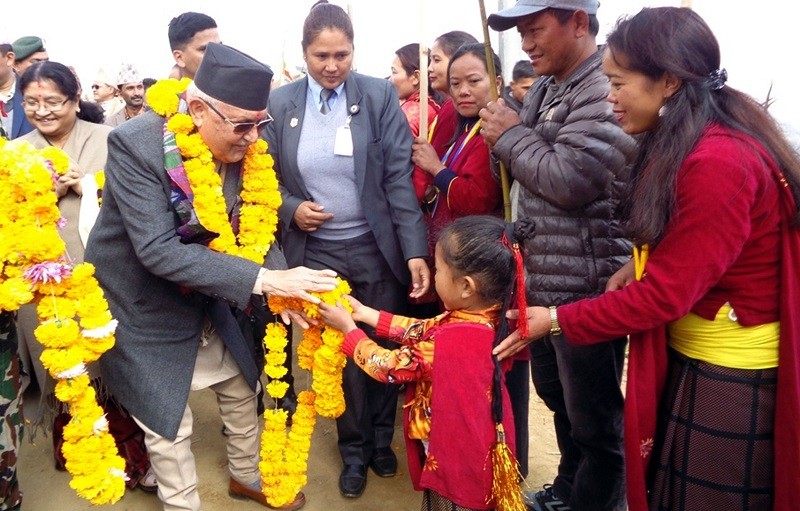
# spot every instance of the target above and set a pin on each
(654, 213)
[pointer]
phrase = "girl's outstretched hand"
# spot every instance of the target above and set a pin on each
(362, 313)
(337, 316)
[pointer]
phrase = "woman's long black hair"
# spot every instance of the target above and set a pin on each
(677, 41)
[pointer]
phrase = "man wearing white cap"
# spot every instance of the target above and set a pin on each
(131, 90)
(105, 93)
(568, 157)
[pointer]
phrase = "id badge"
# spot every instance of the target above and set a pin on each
(343, 145)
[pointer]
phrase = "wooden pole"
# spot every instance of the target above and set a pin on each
(423, 91)
(487, 44)
(423, 74)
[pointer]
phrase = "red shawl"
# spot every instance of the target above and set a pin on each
(647, 365)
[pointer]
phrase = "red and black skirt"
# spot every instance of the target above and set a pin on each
(715, 440)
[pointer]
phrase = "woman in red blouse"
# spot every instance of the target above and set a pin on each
(405, 78)
(441, 130)
(462, 178)
(713, 392)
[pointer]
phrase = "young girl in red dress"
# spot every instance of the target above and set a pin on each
(450, 413)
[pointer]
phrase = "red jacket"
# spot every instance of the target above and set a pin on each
(730, 239)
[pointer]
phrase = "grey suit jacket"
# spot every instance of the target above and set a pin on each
(157, 287)
(382, 153)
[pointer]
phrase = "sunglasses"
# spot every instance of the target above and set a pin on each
(241, 128)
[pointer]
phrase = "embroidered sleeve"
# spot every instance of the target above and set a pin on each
(405, 364)
(401, 329)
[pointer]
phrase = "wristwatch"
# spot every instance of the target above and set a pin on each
(555, 328)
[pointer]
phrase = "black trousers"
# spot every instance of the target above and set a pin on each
(518, 384)
(581, 385)
(368, 421)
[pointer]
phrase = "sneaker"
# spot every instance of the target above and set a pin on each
(544, 500)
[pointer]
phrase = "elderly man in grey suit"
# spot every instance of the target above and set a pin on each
(175, 298)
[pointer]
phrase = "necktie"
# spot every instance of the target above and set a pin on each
(325, 95)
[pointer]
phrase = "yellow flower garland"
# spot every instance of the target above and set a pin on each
(32, 270)
(284, 458)
(320, 350)
(261, 198)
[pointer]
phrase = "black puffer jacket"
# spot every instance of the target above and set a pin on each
(571, 159)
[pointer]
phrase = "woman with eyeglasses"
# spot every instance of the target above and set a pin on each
(51, 102)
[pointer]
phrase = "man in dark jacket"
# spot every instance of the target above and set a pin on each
(569, 159)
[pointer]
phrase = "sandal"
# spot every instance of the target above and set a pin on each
(148, 482)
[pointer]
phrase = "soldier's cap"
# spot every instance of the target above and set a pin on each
(26, 46)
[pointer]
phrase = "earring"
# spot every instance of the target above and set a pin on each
(662, 110)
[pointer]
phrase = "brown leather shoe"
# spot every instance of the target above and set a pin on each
(238, 490)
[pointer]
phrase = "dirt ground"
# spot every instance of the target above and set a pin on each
(46, 489)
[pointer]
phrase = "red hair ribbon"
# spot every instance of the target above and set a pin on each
(521, 301)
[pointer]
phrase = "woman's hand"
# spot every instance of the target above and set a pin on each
(71, 179)
(424, 156)
(420, 276)
(309, 216)
(538, 327)
(622, 277)
(336, 316)
(298, 283)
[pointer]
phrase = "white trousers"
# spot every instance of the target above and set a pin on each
(173, 462)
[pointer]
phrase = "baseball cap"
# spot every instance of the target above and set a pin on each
(508, 18)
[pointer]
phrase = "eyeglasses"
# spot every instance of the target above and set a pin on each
(51, 105)
(240, 128)
(95, 87)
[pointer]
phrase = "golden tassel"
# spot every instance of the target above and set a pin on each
(506, 476)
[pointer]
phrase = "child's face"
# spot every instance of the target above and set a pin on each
(446, 283)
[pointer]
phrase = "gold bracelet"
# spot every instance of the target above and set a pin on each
(555, 328)
(433, 198)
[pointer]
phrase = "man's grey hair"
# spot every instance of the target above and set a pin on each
(194, 92)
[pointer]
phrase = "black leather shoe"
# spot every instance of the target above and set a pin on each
(288, 402)
(353, 480)
(384, 462)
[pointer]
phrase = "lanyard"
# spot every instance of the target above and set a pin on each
(640, 259)
(432, 127)
(469, 136)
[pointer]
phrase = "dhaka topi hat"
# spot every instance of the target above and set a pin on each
(128, 74)
(234, 78)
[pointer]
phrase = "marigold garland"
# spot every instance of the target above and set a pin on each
(326, 346)
(70, 306)
(284, 457)
(261, 198)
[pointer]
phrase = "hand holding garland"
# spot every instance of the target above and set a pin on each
(297, 283)
(339, 318)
